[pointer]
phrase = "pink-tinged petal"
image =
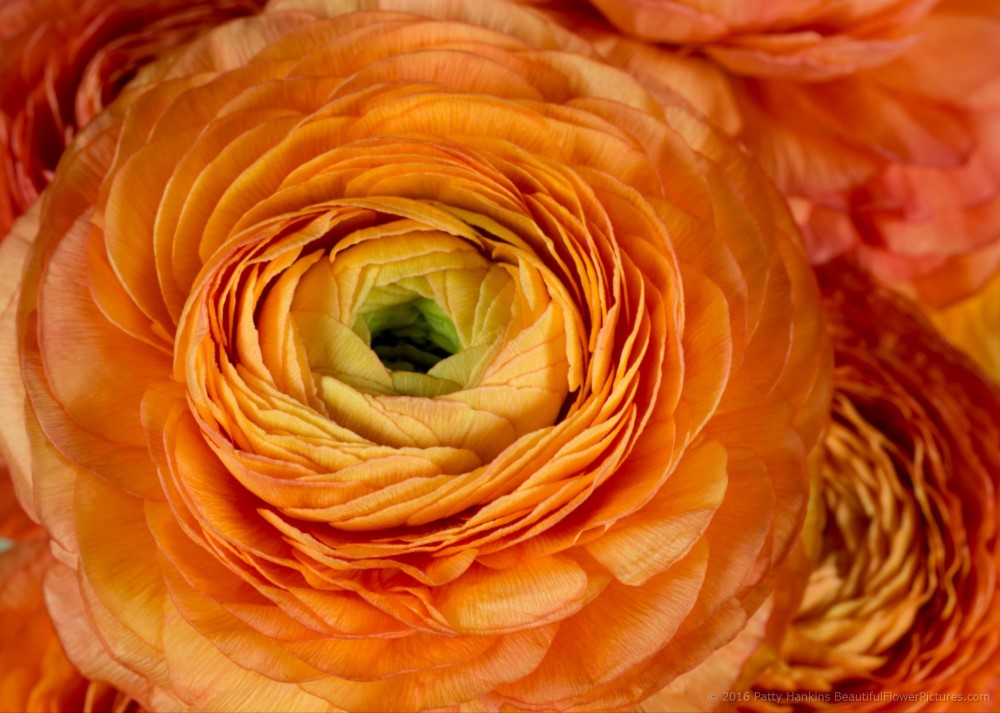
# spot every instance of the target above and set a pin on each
(878, 120)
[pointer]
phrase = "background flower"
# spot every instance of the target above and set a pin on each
(902, 597)
(35, 674)
(798, 39)
(396, 349)
(61, 61)
(880, 120)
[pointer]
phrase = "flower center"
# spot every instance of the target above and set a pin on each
(409, 336)
(376, 330)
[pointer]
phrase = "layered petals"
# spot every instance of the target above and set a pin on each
(803, 39)
(878, 120)
(396, 340)
(62, 61)
(35, 674)
(901, 607)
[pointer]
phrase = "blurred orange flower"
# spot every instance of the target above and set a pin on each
(413, 358)
(35, 674)
(798, 39)
(61, 61)
(880, 120)
(902, 608)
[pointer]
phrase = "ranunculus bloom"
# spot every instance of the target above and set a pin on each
(399, 360)
(880, 119)
(902, 606)
(61, 61)
(35, 674)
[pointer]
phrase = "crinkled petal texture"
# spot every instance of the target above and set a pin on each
(61, 61)
(893, 158)
(383, 360)
(35, 674)
(902, 609)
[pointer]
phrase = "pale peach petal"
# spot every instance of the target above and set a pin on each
(14, 448)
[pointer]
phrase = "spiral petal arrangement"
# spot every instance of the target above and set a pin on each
(386, 356)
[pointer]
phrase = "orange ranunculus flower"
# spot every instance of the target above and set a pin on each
(35, 675)
(880, 120)
(61, 61)
(902, 606)
(410, 358)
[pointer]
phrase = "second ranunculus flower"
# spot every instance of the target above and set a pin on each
(413, 359)
(896, 604)
(878, 119)
(62, 61)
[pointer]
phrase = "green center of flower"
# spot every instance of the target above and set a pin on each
(410, 336)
